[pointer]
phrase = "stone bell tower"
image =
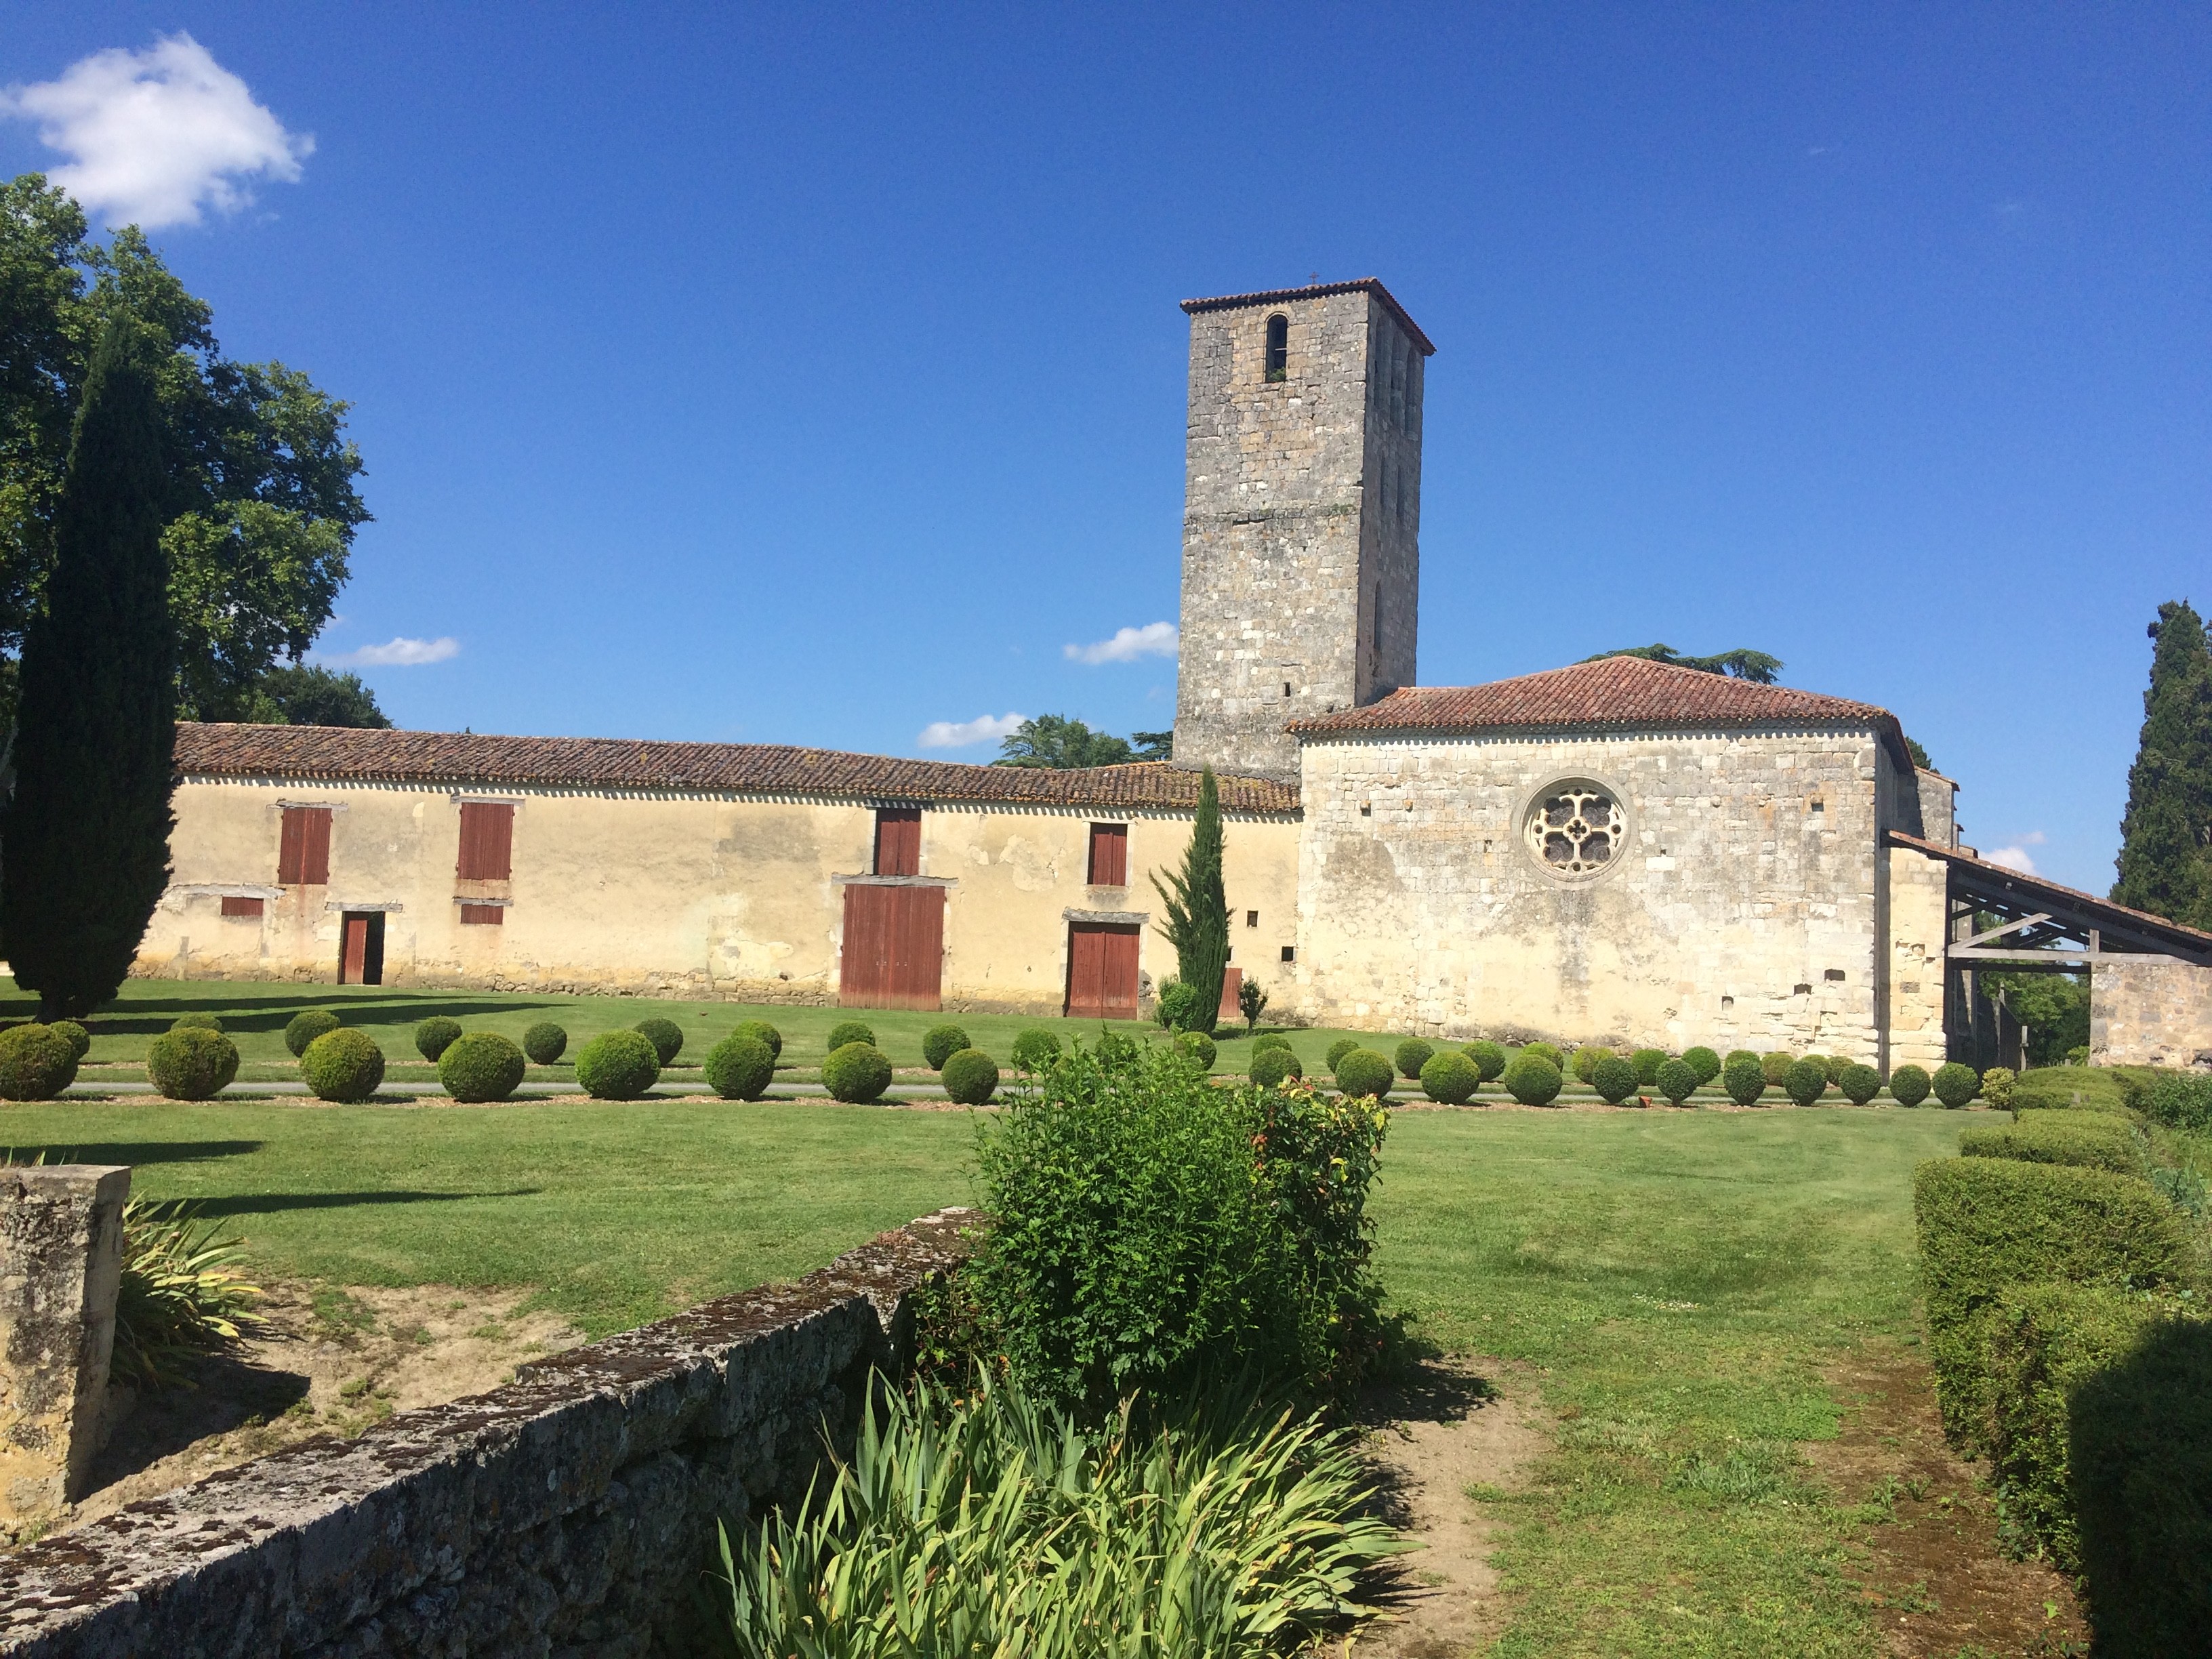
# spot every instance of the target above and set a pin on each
(1301, 514)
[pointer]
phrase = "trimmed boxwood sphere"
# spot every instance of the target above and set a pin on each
(479, 1066)
(1860, 1083)
(1199, 1046)
(1703, 1062)
(970, 1076)
(1834, 1065)
(1271, 1066)
(79, 1039)
(1450, 1078)
(1805, 1081)
(436, 1034)
(544, 1043)
(1036, 1048)
(36, 1064)
(1955, 1085)
(1338, 1050)
(1908, 1085)
(1364, 1071)
(1412, 1055)
(1533, 1080)
(1584, 1063)
(617, 1066)
(849, 1031)
(665, 1035)
(1647, 1062)
(1678, 1080)
(193, 1064)
(1549, 1054)
(856, 1072)
(343, 1064)
(195, 1022)
(1745, 1080)
(1614, 1080)
(306, 1026)
(1776, 1066)
(1270, 1040)
(1735, 1055)
(940, 1043)
(1489, 1059)
(760, 1031)
(740, 1067)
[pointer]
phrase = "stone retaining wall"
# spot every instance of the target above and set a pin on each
(570, 1513)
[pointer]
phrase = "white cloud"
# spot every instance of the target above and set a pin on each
(402, 652)
(2013, 857)
(154, 136)
(1157, 639)
(959, 734)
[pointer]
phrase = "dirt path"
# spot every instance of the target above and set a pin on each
(1457, 1424)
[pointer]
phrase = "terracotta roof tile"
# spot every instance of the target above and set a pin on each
(1626, 693)
(1319, 291)
(442, 757)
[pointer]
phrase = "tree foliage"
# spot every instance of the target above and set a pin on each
(1196, 900)
(2165, 839)
(294, 694)
(2055, 1008)
(1754, 665)
(1056, 742)
(262, 509)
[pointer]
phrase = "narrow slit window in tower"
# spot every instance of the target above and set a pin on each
(1279, 348)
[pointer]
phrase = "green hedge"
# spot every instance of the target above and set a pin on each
(1805, 1081)
(1614, 1078)
(544, 1043)
(36, 1062)
(1985, 1224)
(856, 1072)
(1704, 1062)
(970, 1076)
(306, 1026)
(1410, 1056)
(2092, 1139)
(197, 1022)
(1647, 1062)
(344, 1065)
(940, 1043)
(2069, 1088)
(1269, 1066)
(618, 1065)
(1586, 1062)
(1546, 1052)
(1745, 1080)
(1776, 1066)
(435, 1035)
(760, 1031)
(2176, 1099)
(1860, 1083)
(1362, 1073)
(740, 1067)
(480, 1066)
(1450, 1078)
(79, 1039)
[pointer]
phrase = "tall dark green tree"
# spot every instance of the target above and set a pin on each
(87, 830)
(1196, 901)
(2165, 839)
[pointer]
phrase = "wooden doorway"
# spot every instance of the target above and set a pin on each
(361, 948)
(1101, 971)
(894, 954)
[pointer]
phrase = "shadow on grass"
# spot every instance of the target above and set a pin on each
(152, 1016)
(133, 1153)
(269, 1203)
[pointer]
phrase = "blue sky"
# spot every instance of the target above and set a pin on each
(813, 376)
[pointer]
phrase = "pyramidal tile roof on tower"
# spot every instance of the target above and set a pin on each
(1319, 291)
(356, 754)
(1612, 693)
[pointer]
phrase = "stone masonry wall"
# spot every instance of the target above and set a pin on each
(2150, 1013)
(570, 1513)
(1739, 915)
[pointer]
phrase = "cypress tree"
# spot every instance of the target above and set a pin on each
(86, 852)
(1197, 904)
(2165, 839)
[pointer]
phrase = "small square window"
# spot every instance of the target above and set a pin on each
(1834, 974)
(1290, 953)
(1367, 809)
(483, 915)
(234, 906)
(1801, 990)
(1251, 918)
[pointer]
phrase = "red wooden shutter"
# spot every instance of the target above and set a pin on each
(898, 840)
(487, 841)
(485, 915)
(234, 906)
(303, 851)
(1109, 855)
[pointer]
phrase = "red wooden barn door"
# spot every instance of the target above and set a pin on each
(1232, 991)
(1102, 971)
(894, 953)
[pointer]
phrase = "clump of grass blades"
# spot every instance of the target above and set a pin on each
(179, 1297)
(991, 1524)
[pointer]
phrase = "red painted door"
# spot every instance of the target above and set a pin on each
(1232, 986)
(353, 954)
(1102, 971)
(894, 954)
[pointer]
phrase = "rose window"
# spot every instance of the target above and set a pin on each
(1575, 829)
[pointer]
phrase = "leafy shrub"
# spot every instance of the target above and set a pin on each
(197, 1022)
(1149, 1229)
(1180, 1007)
(970, 1076)
(2091, 1140)
(1614, 1078)
(1269, 1066)
(1489, 1059)
(1836, 1065)
(1199, 1047)
(1338, 1050)
(435, 1035)
(1365, 1073)
(2070, 1088)
(940, 1043)
(344, 1065)
(306, 1026)
(79, 1039)
(178, 1296)
(1996, 1087)
(1805, 1081)
(1678, 1080)
(1545, 1052)
(479, 1066)
(849, 1030)
(740, 1067)
(1533, 1080)
(544, 1043)
(1450, 1078)
(856, 1072)
(1745, 1080)
(1955, 1085)
(36, 1062)
(760, 1031)
(2140, 1434)
(1036, 1048)
(1237, 1536)
(665, 1035)
(1703, 1062)
(1776, 1066)
(1270, 1040)
(1585, 1060)
(191, 1064)
(2175, 1099)
(1908, 1085)
(1860, 1083)
(1410, 1056)
(1647, 1062)
(1735, 1055)
(1984, 1223)
(618, 1065)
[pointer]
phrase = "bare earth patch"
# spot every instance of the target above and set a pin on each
(1457, 1424)
(330, 1361)
(1943, 1583)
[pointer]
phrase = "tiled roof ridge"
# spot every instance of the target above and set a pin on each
(387, 754)
(1319, 291)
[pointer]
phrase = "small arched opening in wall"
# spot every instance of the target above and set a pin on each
(1279, 348)
(1575, 829)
